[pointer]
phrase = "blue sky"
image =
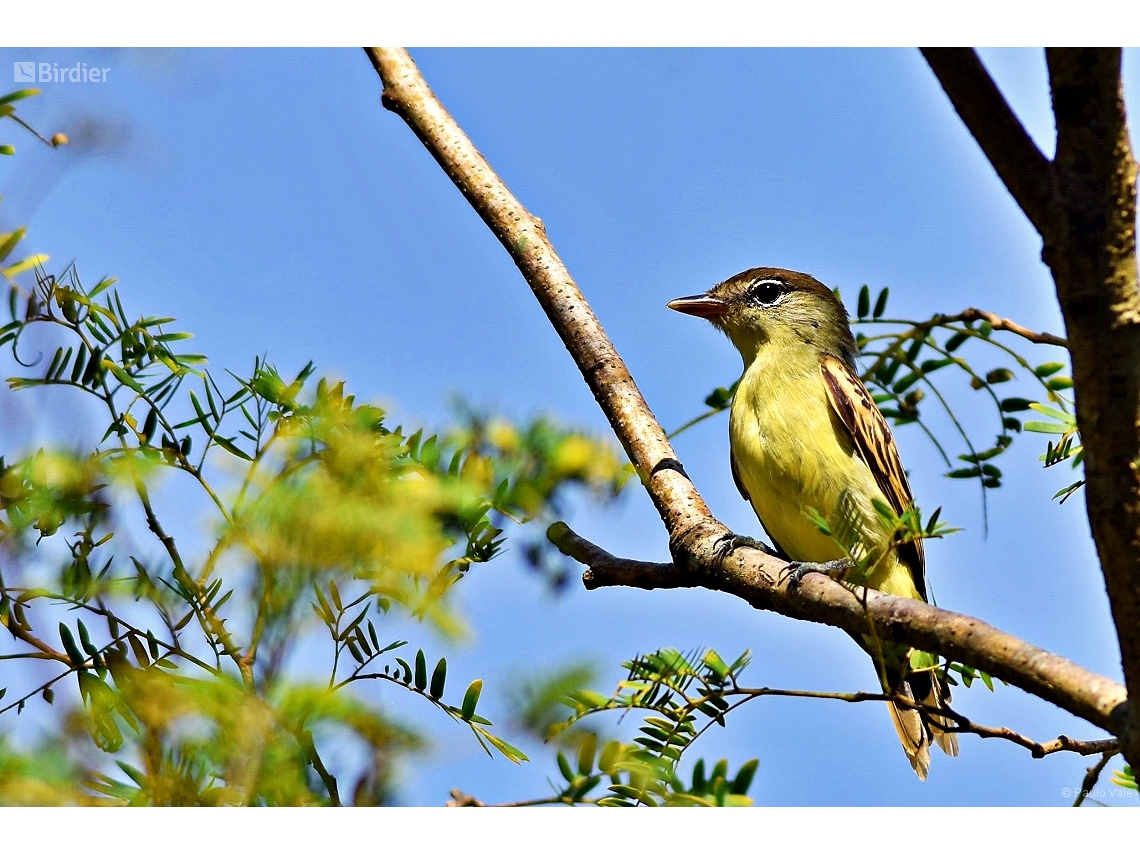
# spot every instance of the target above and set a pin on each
(266, 199)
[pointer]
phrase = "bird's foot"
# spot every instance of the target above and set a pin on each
(836, 570)
(729, 543)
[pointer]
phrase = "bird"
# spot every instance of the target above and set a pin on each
(806, 438)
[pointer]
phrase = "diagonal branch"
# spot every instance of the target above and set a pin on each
(1025, 171)
(760, 581)
(693, 531)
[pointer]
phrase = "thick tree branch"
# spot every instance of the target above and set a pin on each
(758, 580)
(693, 531)
(1092, 254)
(1025, 171)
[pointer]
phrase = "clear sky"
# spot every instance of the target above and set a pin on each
(266, 199)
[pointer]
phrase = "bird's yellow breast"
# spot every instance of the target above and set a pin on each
(792, 453)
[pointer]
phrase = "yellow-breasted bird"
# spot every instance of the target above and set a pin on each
(805, 435)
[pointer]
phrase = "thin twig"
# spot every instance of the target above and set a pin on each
(971, 315)
(1092, 775)
(462, 799)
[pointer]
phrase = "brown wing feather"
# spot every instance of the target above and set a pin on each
(875, 444)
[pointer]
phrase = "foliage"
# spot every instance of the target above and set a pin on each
(1125, 778)
(321, 508)
(688, 694)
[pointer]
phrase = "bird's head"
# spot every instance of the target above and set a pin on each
(767, 306)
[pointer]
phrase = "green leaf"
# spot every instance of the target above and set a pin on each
(438, 678)
(922, 661)
(956, 341)
(54, 363)
(198, 410)
(231, 448)
(609, 757)
(407, 670)
(744, 777)
(564, 768)
(77, 658)
(587, 698)
(1054, 413)
(906, 382)
(354, 649)
(1047, 369)
(122, 376)
(471, 698)
(103, 284)
(1045, 427)
(930, 365)
(421, 670)
(85, 640)
(509, 751)
(139, 650)
(1014, 405)
(586, 754)
(8, 242)
(863, 306)
(19, 95)
(881, 303)
(716, 664)
(971, 472)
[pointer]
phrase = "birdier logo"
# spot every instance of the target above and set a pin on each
(52, 72)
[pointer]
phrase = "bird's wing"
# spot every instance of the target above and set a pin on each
(875, 444)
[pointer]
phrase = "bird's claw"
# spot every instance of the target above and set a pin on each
(836, 570)
(729, 543)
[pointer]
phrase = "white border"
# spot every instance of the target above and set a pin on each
(567, 23)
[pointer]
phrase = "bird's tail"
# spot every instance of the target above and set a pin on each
(918, 728)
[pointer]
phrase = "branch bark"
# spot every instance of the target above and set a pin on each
(693, 531)
(1092, 254)
(1083, 204)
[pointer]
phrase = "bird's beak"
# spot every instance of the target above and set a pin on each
(701, 306)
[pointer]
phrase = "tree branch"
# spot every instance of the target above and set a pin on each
(962, 724)
(1092, 255)
(998, 323)
(1092, 775)
(1025, 171)
(759, 580)
(693, 531)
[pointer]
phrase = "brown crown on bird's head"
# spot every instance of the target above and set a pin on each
(770, 305)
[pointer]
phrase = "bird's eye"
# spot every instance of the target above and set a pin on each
(767, 292)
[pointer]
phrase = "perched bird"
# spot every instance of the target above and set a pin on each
(805, 436)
